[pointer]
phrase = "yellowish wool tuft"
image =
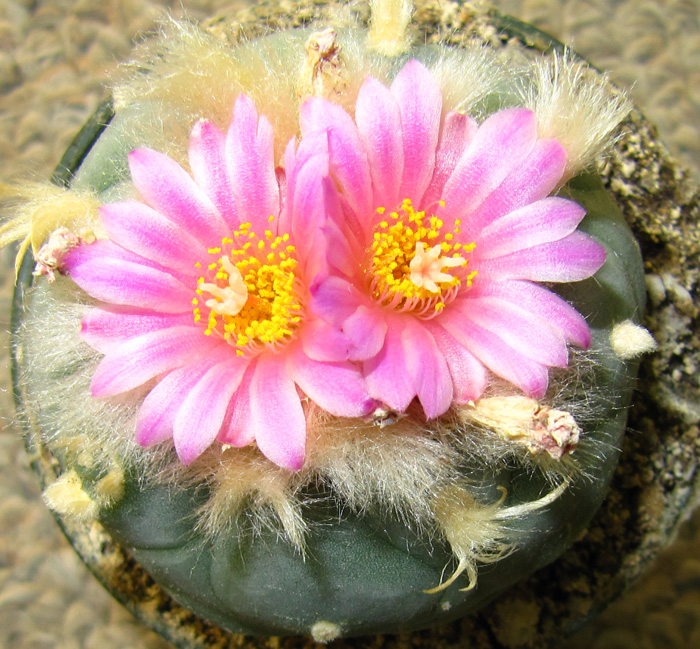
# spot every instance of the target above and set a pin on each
(110, 488)
(477, 533)
(325, 632)
(40, 208)
(67, 497)
(574, 105)
(388, 33)
(245, 482)
(629, 340)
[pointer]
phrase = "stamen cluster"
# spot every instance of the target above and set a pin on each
(403, 275)
(255, 293)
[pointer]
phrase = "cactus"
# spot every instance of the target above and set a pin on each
(304, 558)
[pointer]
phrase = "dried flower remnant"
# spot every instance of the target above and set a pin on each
(442, 233)
(49, 258)
(540, 428)
(323, 73)
(204, 286)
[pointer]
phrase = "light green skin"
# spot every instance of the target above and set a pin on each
(364, 574)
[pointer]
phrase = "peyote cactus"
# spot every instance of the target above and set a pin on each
(357, 319)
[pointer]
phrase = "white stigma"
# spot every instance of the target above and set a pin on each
(427, 266)
(227, 300)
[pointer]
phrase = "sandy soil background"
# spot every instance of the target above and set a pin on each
(56, 56)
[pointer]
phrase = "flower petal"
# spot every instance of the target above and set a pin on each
(544, 221)
(276, 417)
(457, 132)
(500, 145)
(427, 368)
(535, 178)
(207, 155)
(573, 258)
(338, 388)
(251, 166)
(420, 102)
(111, 274)
(537, 299)
(170, 190)
(335, 299)
(140, 229)
(156, 416)
(323, 342)
(379, 122)
(524, 331)
(105, 327)
(349, 165)
(308, 206)
(531, 377)
(237, 429)
(469, 376)
(139, 359)
(365, 330)
(201, 415)
(388, 379)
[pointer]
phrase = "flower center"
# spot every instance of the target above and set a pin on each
(415, 266)
(250, 295)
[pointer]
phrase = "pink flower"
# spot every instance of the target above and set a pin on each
(205, 294)
(441, 231)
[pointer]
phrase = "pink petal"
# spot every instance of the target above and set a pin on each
(537, 299)
(365, 330)
(139, 359)
(343, 250)
(170, 190)
(208, 163)
(469, 377)
(576, 257)
(524, 331)
(308, 205)
(104, 327)
(387, 376)
(536, 177)
(237, 429)
(379, 122)
(335, 299)
(427, 368)
(544, 221)
(531, 377)
(420, 101)
(323, 342)
(277, 419)
(251, 165)
(111, 274)
(500, 145)
(201, 415)
(349, 165)
(457, 132)
(142, 230)
(338, 388)
(156, 416)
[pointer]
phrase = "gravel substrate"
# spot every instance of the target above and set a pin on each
(55, 57)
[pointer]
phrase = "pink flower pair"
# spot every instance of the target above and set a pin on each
(394, 256)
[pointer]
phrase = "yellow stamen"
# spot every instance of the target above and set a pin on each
(252, 292)
(411, 258)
